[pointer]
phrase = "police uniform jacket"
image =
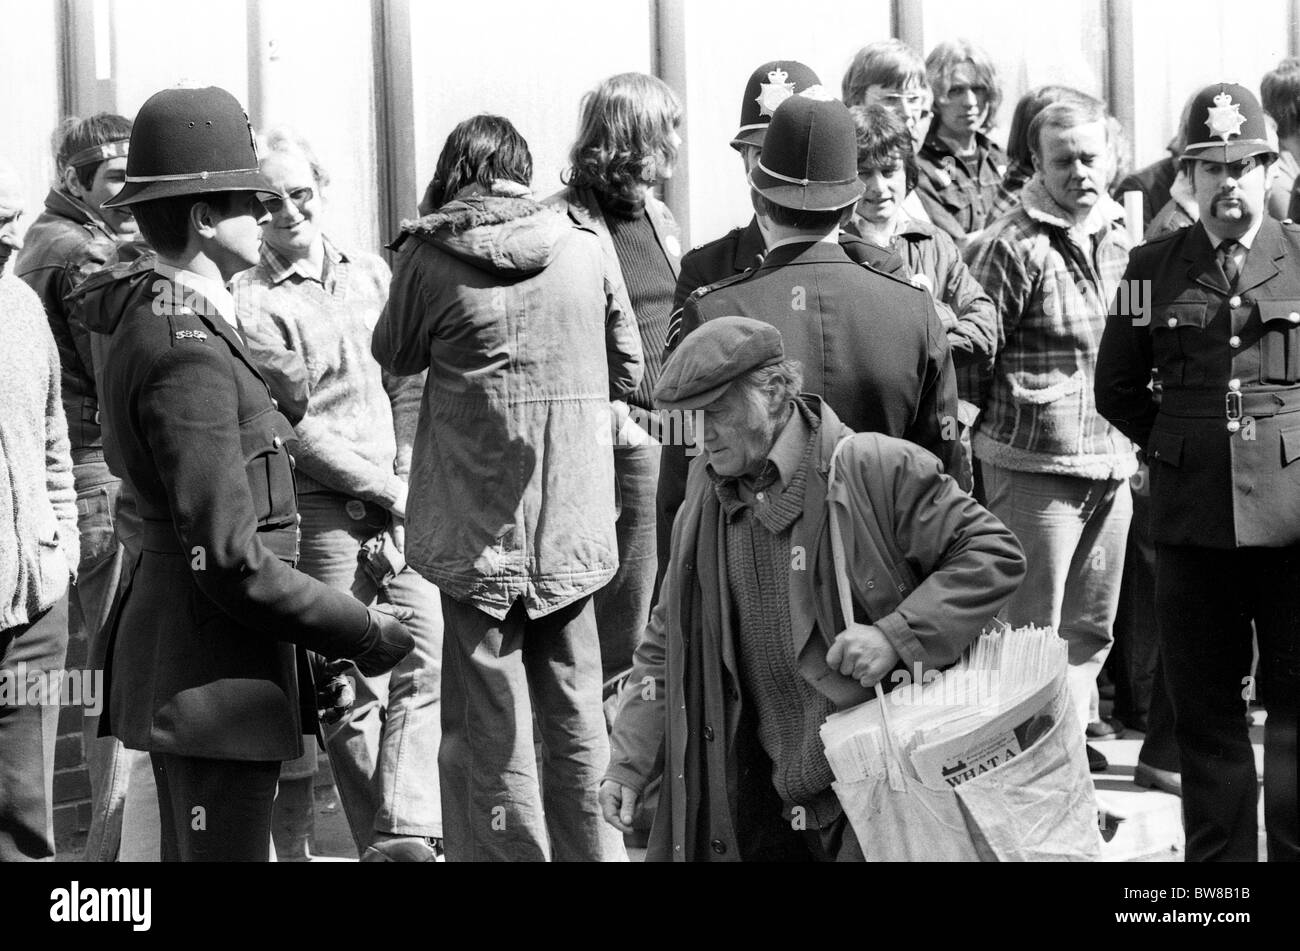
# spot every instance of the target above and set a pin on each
(872, 346)
(1211, 486)
(201, 658)
(742, 248)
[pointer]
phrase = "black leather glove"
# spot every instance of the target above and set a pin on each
(336, 692)
(387, 642)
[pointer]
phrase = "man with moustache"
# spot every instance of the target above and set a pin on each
(1221, 330)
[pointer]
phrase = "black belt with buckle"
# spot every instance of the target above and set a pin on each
(1232, 405)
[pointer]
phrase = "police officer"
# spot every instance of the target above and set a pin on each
(871, 345)
(202, 668)
(1222, 333)
(738, 251)
(741, 248)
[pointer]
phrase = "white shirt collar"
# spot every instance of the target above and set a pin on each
(832, 238)
(214, 292)
(1245, 240)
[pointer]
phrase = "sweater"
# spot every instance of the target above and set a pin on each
(39, 544)
(790, 710)
(650, 284)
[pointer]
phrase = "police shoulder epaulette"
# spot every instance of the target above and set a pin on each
(719, 284)
(675, 320)
(896, 278)
(708, 244)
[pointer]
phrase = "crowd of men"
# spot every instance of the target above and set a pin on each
(440, 523)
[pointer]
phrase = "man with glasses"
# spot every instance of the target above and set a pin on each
(1221, 330)
(890, 73)
(310, 298)
(206, 642)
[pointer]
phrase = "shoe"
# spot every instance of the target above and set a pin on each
(1107, 728)
(403, 848)
(1096, 762)
(1166, 780)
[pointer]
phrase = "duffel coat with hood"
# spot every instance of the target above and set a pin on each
(928, 565)
(509, 306)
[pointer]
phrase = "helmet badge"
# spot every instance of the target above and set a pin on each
(1225, 118)
(774, 92)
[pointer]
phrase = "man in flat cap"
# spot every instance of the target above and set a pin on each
(741, 250)
(203, 672)
(1221, 330)
(746, 652)
(871, 345)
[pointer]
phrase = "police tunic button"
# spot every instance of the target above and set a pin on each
(1293, 317)
(1234, 301)
(1234, 384)
(1234, 341)
(708, 733)
(1233, 425)
(1172, 321)
(718, 846)
(759, 496)
(277, 442)
(356, 509)
(275, 404)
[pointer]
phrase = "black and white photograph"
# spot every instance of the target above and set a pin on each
(667, 431)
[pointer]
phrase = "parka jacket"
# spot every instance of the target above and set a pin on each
(510, 308)
(929, 567)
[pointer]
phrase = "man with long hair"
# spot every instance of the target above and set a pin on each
(961, 167)
(514, 314)
(627, 144)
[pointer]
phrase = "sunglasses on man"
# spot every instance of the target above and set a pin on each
(299, 196)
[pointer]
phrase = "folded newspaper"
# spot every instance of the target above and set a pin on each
(955, 724)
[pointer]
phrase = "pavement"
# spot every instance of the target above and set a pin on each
(1145, 825)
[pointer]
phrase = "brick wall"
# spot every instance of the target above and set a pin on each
(71, 780)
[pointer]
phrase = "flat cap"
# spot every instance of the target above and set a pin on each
(714, 356)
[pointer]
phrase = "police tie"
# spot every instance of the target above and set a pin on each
(1227, 262)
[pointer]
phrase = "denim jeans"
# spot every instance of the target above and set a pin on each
(27, 736)
(108, 763)
(384, 754)
(1074, 532)
(502, 676)
(623, 605)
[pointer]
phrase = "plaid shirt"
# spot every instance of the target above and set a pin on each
(357, 435)
(1052, 285)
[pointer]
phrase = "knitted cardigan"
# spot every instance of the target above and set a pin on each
(39, 544)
